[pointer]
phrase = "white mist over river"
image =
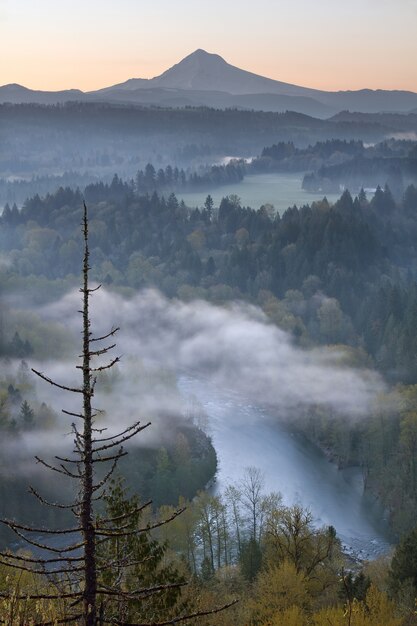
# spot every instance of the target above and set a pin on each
(245, 435)
(261, 366)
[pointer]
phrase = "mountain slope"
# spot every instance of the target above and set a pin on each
(203, 71)
(205, 79)
(17, 94)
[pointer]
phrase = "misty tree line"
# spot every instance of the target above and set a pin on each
(341, 274)
(183, 132)
(149, 179)
(287, 157)
(74, 143)
(174, 179)
(344, 159)
(334, 164)
(20, 410)
(364, 171)
(329, 165)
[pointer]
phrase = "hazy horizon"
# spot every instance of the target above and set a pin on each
(54, 46)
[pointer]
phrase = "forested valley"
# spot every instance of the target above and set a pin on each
(339, 276)
(209, 290)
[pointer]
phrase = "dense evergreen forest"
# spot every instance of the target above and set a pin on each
(340, 275)
(344, 273)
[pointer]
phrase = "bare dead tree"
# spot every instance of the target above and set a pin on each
(73, 569)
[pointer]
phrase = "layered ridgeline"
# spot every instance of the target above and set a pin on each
(205, 79)
(99, 139)
(331, 275)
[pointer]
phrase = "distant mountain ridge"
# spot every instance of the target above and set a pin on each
(17, 94)
(203, 71)
(205, 79)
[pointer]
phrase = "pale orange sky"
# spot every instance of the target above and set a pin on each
(326, 44)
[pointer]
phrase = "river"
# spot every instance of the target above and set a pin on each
(247, 435)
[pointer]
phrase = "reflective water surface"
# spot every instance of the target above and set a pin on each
(245, 435)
